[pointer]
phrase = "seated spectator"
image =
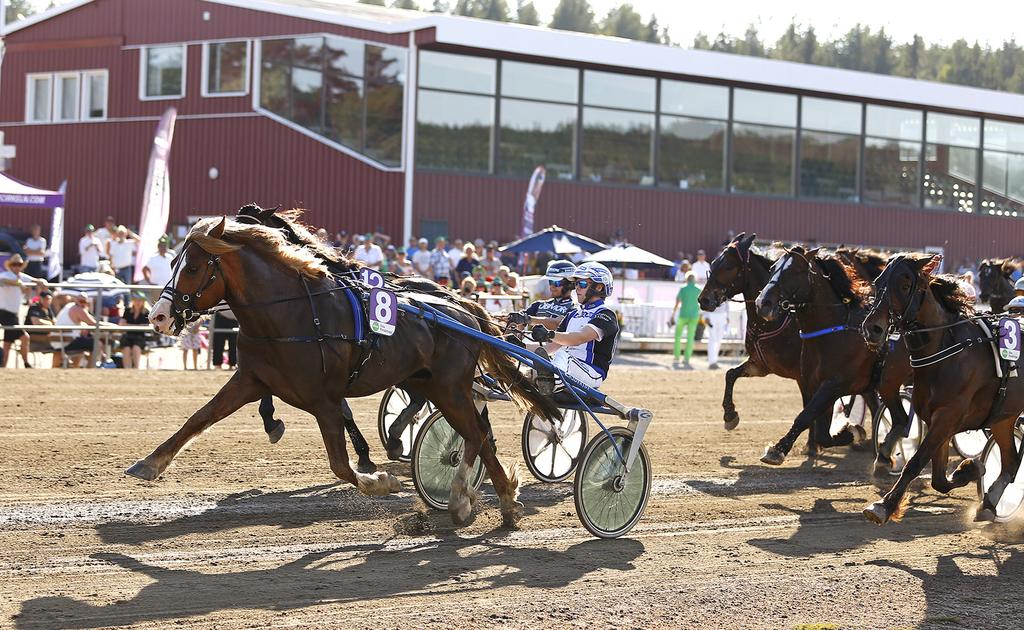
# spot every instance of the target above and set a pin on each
(35, 252)
(390, 257)
(491, 262)
(133, 343)
(41, 313)
(468, 261)
(403, 266)
(509, 280)
(76, 313)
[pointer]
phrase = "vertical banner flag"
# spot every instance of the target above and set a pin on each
(55, 267)
(532, 195)
(156, 202)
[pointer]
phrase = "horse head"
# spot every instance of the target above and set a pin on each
(789, 283)
(727, 276)
(900, 291)
(994, 278)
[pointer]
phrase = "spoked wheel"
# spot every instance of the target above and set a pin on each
(610, 501)
(552, 448)
(905, 447)
(436, 455)
(970, 444)
(1013, 497)
(394, 402)
(848, 410)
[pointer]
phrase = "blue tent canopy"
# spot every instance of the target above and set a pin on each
(553, 239)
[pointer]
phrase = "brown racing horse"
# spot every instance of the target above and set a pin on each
(995, 283)
(955, 383)
(828, 299)
(302, 348)
(772, 347)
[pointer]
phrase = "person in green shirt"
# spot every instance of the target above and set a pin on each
(688, 318)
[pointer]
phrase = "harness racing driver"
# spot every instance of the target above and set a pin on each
(584, 342)
(550, 313)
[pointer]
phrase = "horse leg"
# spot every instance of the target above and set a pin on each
(900, 428)
(273, 426)
(1003, 434)
(893, 503)
(745, 369)
(332, 429)
(394, 446)
(964, 474)
(241, 389)
(362, 449)
(815, 412)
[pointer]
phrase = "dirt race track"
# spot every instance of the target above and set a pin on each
(241, 533)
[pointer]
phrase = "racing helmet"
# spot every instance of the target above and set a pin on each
(1019, 285)
(598, 274)
(559, 269)
(1016, 305)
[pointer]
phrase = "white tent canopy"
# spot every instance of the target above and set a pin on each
(18, 193)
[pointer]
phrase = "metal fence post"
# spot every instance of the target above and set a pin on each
(96, 343)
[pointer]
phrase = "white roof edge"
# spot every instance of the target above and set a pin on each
(44, 15)
(644, 57)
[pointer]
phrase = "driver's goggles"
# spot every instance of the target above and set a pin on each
(582, 283)
(560, 283)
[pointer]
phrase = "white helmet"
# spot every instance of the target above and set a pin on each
(1019, 285)
(597, 273)
(559, 269)
(1016, 304)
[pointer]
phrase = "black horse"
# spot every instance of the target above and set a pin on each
(830, 301)
(995, 282)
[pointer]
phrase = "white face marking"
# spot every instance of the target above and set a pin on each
(780, 266)
(160, 316)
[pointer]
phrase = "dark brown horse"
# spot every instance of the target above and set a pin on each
(955, 383)
(251, 267)
(995, 283)
(828, 299)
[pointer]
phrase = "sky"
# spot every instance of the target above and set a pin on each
(938, 21)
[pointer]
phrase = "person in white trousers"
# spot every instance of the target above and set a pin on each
(718, 323)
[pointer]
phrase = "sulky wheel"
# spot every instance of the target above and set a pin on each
(905, 447)
(848, 410)
(1013, 497)
(552, 448)
(970, 444)
(394, 402)
(610, 501)
(436, 455)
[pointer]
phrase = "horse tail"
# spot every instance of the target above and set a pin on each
(499, 365)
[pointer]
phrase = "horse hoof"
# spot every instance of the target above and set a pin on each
(859, 434)
(773, 456)
(876, 513)
(366, 467)
(394, 485)
(883, 466)
(394, 450)
(460, 511)
(732, 420)
(511, 516)
(985, 515)
(143, 470)
(275, 434)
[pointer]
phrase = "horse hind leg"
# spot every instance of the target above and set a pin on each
(273, 427)
(1002, 431)
(362, 449)
(746, 369)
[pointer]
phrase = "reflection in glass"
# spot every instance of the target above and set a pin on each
(619, 90)
(617, 146)
(67, 108)
(344, 116)
(891, 171)
(894, 122)
(385, 78)
(457, 72)
(534, 134)
(164, 66)
(533, 80)
(950, 175)
(691, 153)
(1004, 136)
(828, 165)
(822, 114)
(41, 88)
(308, 52)
(454, 131)
(948, 129)
(767, 108)
(694, 99)
(762, 159)
(345, 55)
(95, 95)
(1003, 190)
(307, 102)
(226, 67)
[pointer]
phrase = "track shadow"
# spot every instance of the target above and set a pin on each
(294, 509)
(341, 575)
(822, 471)
(824, 529)
(964, 592)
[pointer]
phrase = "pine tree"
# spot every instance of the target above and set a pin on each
(526, 13)
(496, 10)
(655, 34)
(376, 3)
(574, 15)
(701, 41)
(623, 21)
(440, 6)
(405, 4)
(19, 10)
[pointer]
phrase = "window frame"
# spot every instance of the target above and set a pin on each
(204, 84)
(144, 67)
(30, 97)
(84, 95)
(57, 96)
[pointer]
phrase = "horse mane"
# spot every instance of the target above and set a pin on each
(870, 259)
(842, 277)
(268, 241)
(948, 291)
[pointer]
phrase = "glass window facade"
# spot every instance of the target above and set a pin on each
(692, 153)
(227, 68)
(621, 91)
(894, 122)
(164, 71)
(67, 97)
(828, 165)
(766, 108)
(40, 95)
(891, 169)
(94, 95)
(1002, 191)
(346, 90)
(454, 131)
(617, 147)
(536, 81)
(821, 114)
(682, 98)
(535, 133)
(951, 161)
(457, 73)
(762, 159)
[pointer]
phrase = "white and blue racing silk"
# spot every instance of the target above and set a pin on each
(597, 353)
(555, 307)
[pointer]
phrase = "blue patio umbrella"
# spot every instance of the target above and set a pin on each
(553, 239)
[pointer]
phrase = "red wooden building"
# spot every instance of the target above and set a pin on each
(431, 124)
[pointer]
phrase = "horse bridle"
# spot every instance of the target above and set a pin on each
(907, 320)
(182, 304)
